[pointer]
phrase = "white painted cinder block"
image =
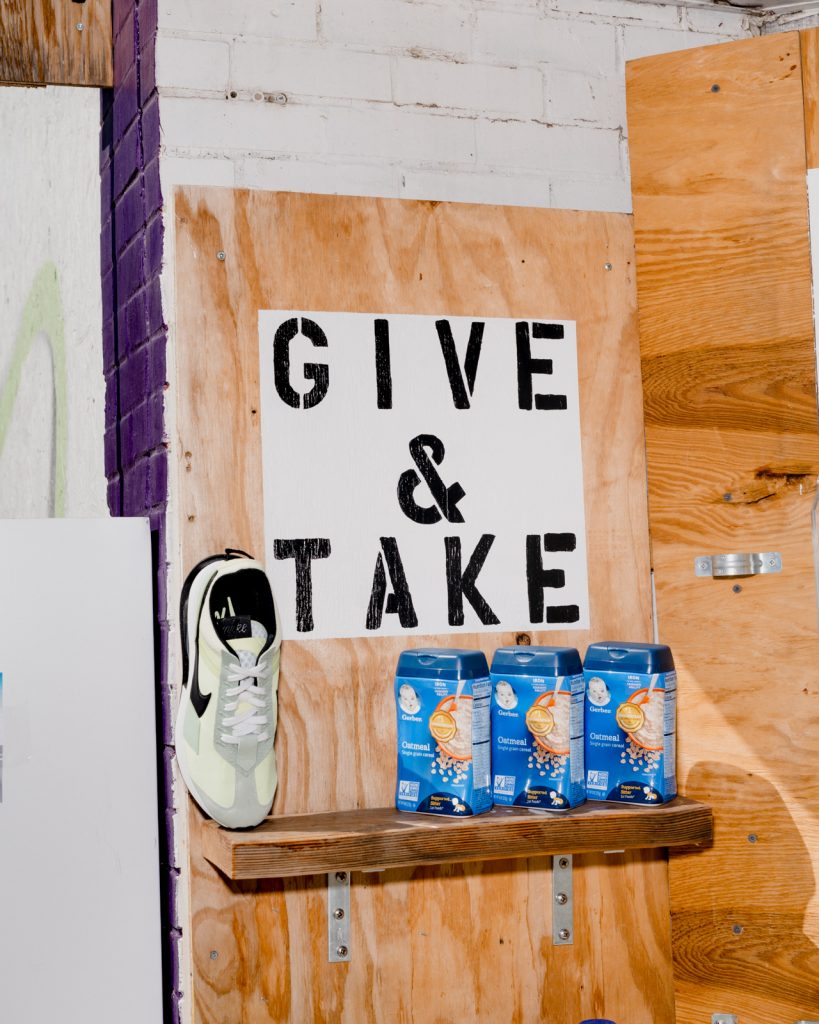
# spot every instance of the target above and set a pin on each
(550, 148)
(719, 20)
(476, 187)
(201, 64)
(562, 42)
(181, 169)
(646, 42)
(667, 14)
(276, 19)
(310, 71)
(475, 87)
(611, 195)
(333, 178)
(212, 126)
(390, 25)
(577, 98)
(388, 133)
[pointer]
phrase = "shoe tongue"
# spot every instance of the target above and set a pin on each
(242, 635)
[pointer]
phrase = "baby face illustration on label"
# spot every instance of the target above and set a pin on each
(408, 700)
(506, 696)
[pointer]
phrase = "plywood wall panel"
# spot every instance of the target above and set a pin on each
(467, 942)
(724, 293)
(40, 43)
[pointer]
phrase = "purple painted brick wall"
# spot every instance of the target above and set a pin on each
(134, 350)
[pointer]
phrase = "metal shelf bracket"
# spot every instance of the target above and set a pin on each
(562, 901)
(338, 917)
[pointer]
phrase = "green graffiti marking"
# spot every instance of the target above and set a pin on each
(42, 315)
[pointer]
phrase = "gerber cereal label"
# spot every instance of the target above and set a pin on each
(443, 746)
(537, 741)
(630, 736)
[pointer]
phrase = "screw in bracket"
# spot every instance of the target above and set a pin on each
(341, 876)
(338, 913)
(341, 951)
(561, 898)
(564, 934)
(563, 862)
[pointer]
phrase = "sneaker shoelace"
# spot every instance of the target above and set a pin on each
(249, 698)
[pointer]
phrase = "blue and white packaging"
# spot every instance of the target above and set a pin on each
(631, 719)
(442, 702)
(537, 728)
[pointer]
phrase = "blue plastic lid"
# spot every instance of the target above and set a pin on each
(442, 663)
(536, 661)
(597, 1020)
(614, 656)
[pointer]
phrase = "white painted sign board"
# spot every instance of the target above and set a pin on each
(80, 936)
(422, 474)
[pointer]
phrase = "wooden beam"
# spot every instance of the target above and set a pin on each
(42, 43)
(372, 840)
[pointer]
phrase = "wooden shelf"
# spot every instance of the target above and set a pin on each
(369, 840)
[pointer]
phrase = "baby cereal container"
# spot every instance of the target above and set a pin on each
(631, 712)
(442, 703)
(537, 728)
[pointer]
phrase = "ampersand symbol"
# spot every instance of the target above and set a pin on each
(446, 498)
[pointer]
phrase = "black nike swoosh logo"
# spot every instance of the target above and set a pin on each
(200, 700)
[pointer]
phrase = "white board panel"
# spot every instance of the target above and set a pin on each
(422, 474)
(79, 867)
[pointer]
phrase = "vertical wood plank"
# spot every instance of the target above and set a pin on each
(726, 327)
(429, 944)
(40, 43)
(809, 48)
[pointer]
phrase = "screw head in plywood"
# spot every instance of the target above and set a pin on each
(221, 256)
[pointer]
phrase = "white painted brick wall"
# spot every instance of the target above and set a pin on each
(508, 101)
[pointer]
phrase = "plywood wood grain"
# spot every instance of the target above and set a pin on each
(809, 48)
(429, 944)
(40, 43)
(724, 291)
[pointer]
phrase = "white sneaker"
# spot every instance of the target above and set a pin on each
(227, 709)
